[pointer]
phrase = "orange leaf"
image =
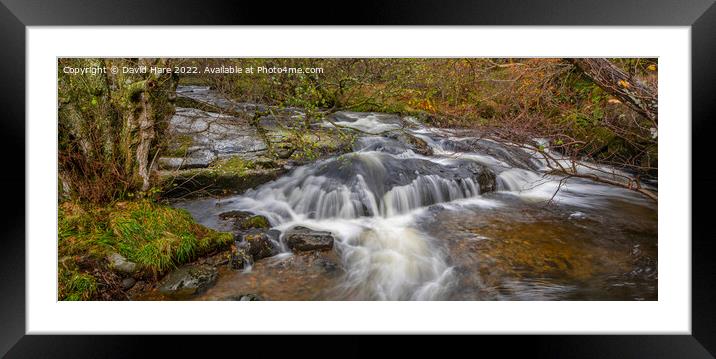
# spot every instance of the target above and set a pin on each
(624, 84)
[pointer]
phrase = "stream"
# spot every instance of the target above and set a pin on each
(464, 219)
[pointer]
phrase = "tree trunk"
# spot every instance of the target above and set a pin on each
(111, 125)
(639, 96)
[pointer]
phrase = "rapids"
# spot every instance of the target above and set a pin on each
(476, 220)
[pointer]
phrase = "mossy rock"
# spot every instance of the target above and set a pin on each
(259, 245)
(309, 146)
(418, 145)
(255, 222)
(246, 220)
(198, 182)
(227, 176)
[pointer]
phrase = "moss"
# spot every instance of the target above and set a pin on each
(180, 146)
(203, 181)
(255, 222)
(232, 165)
(318, 143)
(225, 176)
(154, 236)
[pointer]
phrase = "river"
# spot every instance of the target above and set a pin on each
(468, 219)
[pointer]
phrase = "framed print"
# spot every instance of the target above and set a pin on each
(473, 179)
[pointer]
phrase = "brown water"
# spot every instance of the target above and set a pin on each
(302, 276)
(528, 253)
(518, 252)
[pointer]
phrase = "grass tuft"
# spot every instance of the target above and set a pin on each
(75, 285)
(156, 237)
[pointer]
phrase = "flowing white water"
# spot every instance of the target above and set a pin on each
(372, 198)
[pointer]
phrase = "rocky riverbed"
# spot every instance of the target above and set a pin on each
(370, 206)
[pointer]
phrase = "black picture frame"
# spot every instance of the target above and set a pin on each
(700, 16)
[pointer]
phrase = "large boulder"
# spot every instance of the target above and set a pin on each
(188, 280)
(305, 239)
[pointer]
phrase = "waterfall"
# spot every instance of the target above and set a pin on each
(371, 199)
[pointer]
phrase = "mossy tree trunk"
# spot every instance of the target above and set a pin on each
(111, 126)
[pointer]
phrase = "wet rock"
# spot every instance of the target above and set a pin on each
(239, 256)
(188, 280)
(259, 245)
(210, 181)
(245, 220)
(255, 222)
(509, 154)
(416, 144)
(327, 265)
(420, 146)
(487, 181)
(120, 264)
(236, 215)
(274, 234)
(128, 283)
(305, 239)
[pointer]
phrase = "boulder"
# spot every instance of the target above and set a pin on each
(255, 222)
(259, 245)
(188, 280)
(200, 158)
(194, 182)
(418, 145)
(245, 220)
(235, 215)
(305, 239)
